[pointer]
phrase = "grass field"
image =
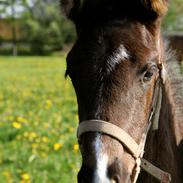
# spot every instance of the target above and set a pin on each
(38, 119)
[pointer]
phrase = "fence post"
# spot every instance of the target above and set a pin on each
(14, 37)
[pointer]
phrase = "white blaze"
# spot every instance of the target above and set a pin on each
(100, 175)
(120, 54)
(117, 56)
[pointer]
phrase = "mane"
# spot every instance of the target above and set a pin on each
(103, 10)
(176, 90)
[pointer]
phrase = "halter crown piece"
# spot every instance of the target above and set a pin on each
(135, 149)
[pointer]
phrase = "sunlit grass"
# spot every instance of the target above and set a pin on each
(38, 119)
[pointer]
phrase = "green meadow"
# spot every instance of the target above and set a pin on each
(38, 120)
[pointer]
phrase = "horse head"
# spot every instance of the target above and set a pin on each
(114, 66)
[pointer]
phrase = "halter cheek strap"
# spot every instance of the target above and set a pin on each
(135, 149)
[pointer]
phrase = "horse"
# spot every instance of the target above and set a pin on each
(129, 93)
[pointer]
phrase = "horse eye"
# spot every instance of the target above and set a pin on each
(149, 73)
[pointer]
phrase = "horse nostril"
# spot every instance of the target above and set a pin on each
(115, 179)
(85, 174)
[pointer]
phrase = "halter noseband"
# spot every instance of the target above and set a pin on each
(135, 149)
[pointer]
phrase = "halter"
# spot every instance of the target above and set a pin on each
(135, 149)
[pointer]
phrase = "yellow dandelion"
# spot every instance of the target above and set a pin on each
(6, 174)
(48, 103)
(76, 147)
(21, 119)
(25, 176)
(57, 146)
(34, 145)
(71, 129)
(32, 135)
(24, 181)
(76, 117)
(46, 125)
(45, 139)
(16, 125)
(26, 93)
(43, 154)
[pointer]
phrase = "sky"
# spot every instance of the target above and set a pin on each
(8, 10)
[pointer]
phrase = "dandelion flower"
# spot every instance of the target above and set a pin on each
(21, 119)
(48, 103)
(16, 125)
(25, 176)
(71, 129)
(45, 139)
(43, 154)
(6, 174)
(57, 146)
(34, 145)
(32, 135)
(76, 147)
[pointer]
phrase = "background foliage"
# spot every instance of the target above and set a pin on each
(174, 18)
(42, 28)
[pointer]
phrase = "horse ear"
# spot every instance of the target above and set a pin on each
(67, 6)
(159, 7)
(71, 8)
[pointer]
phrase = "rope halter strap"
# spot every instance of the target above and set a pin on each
(111, 130)
(134, 149)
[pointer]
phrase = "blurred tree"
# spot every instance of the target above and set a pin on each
(7, 10)
(174, 19)
(44, 26)
(41, 24)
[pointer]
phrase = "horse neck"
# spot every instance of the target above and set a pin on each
(161, 147)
